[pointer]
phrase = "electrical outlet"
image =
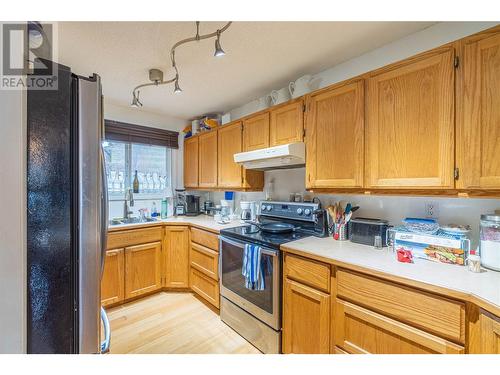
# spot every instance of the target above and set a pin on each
(432, 210)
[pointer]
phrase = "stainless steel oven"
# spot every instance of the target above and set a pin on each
(255, 314)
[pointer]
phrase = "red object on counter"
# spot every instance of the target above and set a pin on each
(404, 256)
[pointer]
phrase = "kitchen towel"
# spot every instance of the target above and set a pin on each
(252, 269)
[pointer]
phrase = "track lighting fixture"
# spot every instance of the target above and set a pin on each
(156, 75)
(218, 49)
(177, 89)
(136, 103)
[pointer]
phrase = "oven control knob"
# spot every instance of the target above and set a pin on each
(299, 211)
(307, 212)
(269, 208)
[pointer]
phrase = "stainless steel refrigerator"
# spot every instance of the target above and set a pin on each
(67, 216)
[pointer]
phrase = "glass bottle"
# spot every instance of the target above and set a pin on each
(136, 183)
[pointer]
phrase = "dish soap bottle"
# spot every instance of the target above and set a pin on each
(164, 208)
(154, 212)
(136, 183)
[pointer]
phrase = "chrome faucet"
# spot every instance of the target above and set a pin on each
(129, 202)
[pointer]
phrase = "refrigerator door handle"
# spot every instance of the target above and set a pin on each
(104, 210)
(107, 332)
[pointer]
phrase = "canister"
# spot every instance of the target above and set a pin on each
(489, 247)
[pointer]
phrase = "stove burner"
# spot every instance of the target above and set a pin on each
(250, 229)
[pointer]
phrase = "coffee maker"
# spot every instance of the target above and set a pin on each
(192, 205)
(180, 202)
(248, 211)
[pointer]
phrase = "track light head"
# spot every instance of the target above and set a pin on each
(136, 103)
(218, 49)
(177, 88)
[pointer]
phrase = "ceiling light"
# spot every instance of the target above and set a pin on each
(218, 49)
(156, 75)
(136, 103)
(177, 88)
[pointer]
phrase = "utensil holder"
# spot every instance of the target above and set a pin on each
(341, 232)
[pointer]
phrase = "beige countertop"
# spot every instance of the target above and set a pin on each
(202, 221)
(482, 287)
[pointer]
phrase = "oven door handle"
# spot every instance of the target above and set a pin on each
(264, 250)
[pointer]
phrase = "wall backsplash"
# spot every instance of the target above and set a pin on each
(392, 208)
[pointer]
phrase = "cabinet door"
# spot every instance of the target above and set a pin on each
(207, 159)
(287, 124)
(410, 124)
(306, 319)
(485, 334)
(478, 130)
(335, 136)
(191, 162)
(142, 269)
(361, 331)
(229, 143)
(176, 257)
(256, 132)
(113, 278)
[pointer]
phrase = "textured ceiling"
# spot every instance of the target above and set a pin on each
(260, 56)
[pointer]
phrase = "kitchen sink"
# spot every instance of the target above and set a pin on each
(131, 220)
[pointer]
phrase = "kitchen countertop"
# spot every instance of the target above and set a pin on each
(201, 221)
(481, 288)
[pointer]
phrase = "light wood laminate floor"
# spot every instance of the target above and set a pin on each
(170, 322)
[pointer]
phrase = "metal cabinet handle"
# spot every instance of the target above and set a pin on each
(107, 332)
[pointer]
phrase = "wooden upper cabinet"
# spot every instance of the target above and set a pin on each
(306, 319)
(229, 143)
(176, 257)
(410, 123)
(256, 132)
(207, 172)
(335, 136)
(191, 162)
(142, 269)
(287, 124)
(113, 278)
(478, 125)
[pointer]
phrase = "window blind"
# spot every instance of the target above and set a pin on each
(124, 132)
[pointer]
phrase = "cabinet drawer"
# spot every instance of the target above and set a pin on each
(309, 272)
(205, 238)
(205, 260)
(439, 315)
(361, 331)
(205, 287)
(133, 237)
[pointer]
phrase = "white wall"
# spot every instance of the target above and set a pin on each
(12, 222)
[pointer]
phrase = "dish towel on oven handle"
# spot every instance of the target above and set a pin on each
(252, 269)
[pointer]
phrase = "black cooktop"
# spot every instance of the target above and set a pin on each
(252, 234)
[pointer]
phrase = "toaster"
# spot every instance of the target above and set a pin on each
(363, 230)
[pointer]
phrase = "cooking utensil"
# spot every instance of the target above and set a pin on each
(276, 227)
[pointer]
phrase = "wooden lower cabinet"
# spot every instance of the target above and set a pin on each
(361, 331)
(113, 278)
(176, 257)
(205, 260)
(205, 287)
(142, 269)
(306, 319)
(484, 333)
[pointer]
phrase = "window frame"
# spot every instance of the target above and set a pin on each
(128, 177)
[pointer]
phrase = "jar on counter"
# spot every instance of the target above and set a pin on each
(490, 241)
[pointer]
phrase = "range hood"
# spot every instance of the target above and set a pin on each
(292, 155)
